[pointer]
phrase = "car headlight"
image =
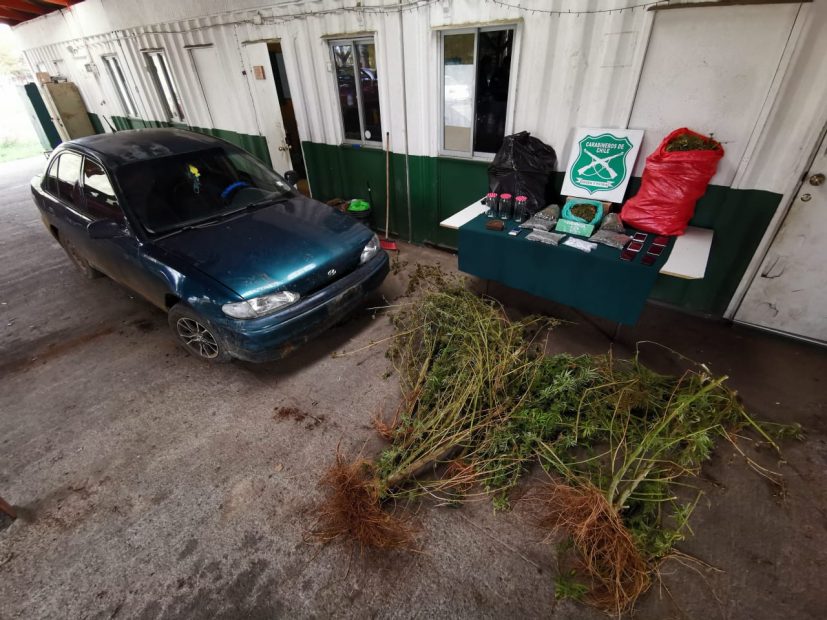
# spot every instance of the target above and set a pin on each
(259, 306)
(370, 250)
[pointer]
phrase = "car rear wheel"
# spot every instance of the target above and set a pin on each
(196, 335)
(82, 265)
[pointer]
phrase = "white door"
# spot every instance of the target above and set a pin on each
(263, 87)
(788, 293)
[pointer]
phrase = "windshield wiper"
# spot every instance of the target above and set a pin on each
(264, 202)
(223, 216)
(208, 222)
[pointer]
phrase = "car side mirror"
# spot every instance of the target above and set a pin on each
(292, 177)
(105, 229)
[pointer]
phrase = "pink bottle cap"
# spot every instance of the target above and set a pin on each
(521, 199)
(506, 196)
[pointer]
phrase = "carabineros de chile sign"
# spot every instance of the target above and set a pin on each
(601, 163)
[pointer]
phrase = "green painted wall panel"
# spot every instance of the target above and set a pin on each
(96, 123)
(442, 186)
(356, 172)
(460, 183)
(739, 219)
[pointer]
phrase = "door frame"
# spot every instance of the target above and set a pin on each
(256, 96)
(298, 93)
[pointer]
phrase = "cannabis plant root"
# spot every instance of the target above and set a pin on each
(605, 550)
(352, 510)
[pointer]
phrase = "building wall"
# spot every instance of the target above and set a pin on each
(731, 71)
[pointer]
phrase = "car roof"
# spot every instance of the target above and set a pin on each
(126, 147)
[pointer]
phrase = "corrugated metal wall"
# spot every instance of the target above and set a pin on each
(571, 70)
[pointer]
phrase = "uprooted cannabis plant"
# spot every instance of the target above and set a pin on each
(482, 402)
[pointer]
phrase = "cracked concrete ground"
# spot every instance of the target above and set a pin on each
(151, 485)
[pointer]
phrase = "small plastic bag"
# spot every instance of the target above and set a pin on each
(543, 220)
(611, 222)
(549, 238)
(580, 244)
(551, 213)
(611, 238)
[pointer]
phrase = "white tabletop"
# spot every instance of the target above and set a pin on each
(690, 254)
(464, 216)
(688, 258)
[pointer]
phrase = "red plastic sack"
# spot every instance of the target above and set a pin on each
(672, 183)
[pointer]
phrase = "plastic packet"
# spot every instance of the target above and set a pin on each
(543, 220)
(551, 213)
(610, 238)
(579, 244)
(535, 224)
(611, 222)
(545, 237)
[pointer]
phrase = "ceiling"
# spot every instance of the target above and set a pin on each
(13, 12)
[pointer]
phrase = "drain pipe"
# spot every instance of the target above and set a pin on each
(405, 121)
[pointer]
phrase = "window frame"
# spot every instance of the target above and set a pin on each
(66, 202)
(79, 210)
(44, 182)
(173, 116)
(515, 27)
(121, 213)
(120, 86)
(357, 74)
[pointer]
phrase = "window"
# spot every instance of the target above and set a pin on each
(476, 72)
(168, 193)
(68, 176)
(100, 200)
(113, 68)
(358, 98)
(156, 64)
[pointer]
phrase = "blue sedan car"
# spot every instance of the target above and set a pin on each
(244, 265)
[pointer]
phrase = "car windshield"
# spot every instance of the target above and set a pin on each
(171, 193)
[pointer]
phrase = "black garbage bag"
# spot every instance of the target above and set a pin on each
(523, 167)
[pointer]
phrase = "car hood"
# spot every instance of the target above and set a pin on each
(298, 245)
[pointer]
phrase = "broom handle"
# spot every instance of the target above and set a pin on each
(387, 184)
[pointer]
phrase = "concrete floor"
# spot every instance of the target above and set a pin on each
(155, 486)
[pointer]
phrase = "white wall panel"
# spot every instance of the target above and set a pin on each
(710, 69)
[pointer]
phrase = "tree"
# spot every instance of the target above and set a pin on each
(11, 60)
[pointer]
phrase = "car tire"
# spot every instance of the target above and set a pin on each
(196, 335)
(80, 263)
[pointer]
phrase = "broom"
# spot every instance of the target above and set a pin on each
(386, 243)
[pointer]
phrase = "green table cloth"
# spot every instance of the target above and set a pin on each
(597, 282)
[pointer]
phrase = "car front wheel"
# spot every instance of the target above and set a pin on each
(196, 335)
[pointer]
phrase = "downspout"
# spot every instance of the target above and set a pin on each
(405, 121)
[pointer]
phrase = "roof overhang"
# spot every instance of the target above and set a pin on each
(14, 12)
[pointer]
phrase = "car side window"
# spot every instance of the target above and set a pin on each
(68, 176)
(100, 199)
(50, 178)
